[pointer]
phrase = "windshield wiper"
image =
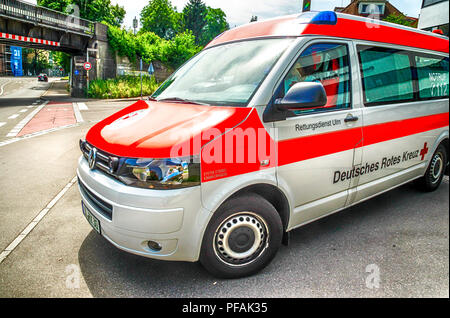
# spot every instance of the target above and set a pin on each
(181, 100)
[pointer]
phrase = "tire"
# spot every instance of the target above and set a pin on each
(435, 172)
(242, 237)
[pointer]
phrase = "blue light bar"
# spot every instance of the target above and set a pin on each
(323, 17)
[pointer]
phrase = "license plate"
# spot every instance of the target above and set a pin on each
(93, 221)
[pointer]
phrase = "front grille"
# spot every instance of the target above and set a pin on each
(103, 207)
(104, 161)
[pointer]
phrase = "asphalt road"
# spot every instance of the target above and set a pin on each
(403, 235)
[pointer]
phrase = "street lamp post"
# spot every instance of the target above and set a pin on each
(135, 25)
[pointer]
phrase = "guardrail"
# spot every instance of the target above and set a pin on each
(31, 13)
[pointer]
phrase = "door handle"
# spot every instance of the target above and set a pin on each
(350, 118)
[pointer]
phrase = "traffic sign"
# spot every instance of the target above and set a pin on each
(87, 66)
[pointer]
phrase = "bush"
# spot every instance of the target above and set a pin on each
(151, 47)
(122, 87)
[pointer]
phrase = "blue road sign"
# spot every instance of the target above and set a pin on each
(151, 69)
(16, 61)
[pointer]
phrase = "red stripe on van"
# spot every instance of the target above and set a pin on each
(303, 148)
(397, 129)
(310, 147)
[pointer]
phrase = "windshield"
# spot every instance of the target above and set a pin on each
(224, 75)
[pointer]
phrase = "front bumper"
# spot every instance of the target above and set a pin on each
(173, 218)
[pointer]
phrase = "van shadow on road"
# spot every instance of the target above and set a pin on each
(326, 258)
(19, 102)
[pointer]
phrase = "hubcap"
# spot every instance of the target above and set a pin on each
(241, 238)
(436, 167)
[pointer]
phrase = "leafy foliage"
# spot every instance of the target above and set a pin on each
(194, 16)
(151, 47)
(205, 23)
(61, 59)
(216, 23)
(60, 5)
(35, 61)
(122, 87)
(122, 42)
(160, 18)
(93, 10)
(399, 19)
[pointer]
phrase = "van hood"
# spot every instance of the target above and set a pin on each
(150, 129)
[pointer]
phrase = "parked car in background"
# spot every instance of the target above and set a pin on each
(42, 78)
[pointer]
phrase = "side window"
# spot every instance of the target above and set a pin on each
(326, 63)
(386, 74)
(432, 73)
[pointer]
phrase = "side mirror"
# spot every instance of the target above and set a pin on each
(303, 95)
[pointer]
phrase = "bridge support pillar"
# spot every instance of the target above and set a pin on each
(100, 56)
(79, 78)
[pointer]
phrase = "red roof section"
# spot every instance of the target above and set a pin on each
(346, 27)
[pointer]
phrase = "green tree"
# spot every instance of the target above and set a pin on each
(60, 5)
(151, 47)
(160, 17)
(61, 59)
(93, 10)
(194, 16)
(399, 19)
(36, 61)
(100, 10)
(181, 48)
(216, 23)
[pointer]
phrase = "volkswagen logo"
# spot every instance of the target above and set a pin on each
(92, 158)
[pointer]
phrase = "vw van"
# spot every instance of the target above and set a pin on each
(273, 125)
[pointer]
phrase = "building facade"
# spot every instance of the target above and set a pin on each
(376, 9)
(434, 15)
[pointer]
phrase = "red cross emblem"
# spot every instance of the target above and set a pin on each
(424, 151)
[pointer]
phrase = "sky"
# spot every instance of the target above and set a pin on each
(240, 11)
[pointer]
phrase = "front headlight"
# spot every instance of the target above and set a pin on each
(160, 173)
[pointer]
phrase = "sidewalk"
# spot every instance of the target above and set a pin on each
(57, 110)
(58, 93)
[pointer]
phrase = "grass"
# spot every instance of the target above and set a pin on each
(122, 87)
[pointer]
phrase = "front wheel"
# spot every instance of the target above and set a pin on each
(435, 172)
(242, 237)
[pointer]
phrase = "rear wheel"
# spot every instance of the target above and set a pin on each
(435, 172)
(242, 237)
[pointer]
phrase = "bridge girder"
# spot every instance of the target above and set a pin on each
(70, 42)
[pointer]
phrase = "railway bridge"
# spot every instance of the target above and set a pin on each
(27, 25)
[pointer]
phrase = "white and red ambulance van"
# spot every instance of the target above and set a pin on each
(273, 125)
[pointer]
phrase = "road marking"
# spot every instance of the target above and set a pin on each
(23, 122)
(35, 221)
(13, 116)
(1, 124)
(1, 87)
(38, 133)
(82, 106)
(77, 113)
(23, 110)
